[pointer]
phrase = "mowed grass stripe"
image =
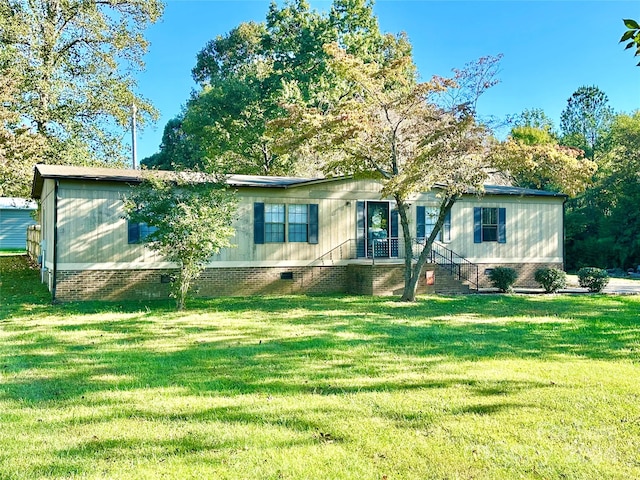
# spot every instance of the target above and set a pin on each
(496, 386)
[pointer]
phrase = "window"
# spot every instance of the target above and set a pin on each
(271, 221)
(138, 232)
(427, 217)
(430, 219)
(298, 223)
(274, 222)
(489, 225)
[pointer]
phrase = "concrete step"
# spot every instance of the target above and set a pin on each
(447, 284)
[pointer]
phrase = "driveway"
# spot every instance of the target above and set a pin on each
(616, 286)
(620, 286)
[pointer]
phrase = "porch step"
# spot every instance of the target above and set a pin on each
(446, 284)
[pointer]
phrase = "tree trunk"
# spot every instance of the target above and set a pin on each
(182, 288)
(412, 272)
(408, 243)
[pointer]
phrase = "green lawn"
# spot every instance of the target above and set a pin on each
(468, 387)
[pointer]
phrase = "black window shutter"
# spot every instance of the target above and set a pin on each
(313, 223)
(477, 225)
(360, 229)
(446, 228)
(258, 223)
(394, 232)
(133, 235)
(502, 225)
(420, 219)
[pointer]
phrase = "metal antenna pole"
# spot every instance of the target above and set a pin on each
(134, 153)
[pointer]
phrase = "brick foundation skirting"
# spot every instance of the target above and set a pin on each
(526, 272)
(213, 282)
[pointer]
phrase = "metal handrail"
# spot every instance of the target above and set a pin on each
(344, 251)
(393, 247)
(459, 267)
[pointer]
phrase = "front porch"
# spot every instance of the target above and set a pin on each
(381, 270)
(387, 278)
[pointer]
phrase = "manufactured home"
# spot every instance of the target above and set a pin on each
(15, 218)
(292, 235)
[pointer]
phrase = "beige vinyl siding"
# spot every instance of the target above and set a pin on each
(92, 227)
(534, 230)
(92, 230)
(336, 224)
(47, 204)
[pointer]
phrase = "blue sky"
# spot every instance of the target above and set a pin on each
(550, 49)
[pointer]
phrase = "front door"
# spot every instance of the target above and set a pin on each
(376, 228)
(378, 224)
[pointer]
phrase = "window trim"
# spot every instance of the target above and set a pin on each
(137, 232)
(479, 225)
(268, 225)
(259, 223)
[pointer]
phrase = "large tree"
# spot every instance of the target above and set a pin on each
(247, 74)
(73, 62)
(620, 194)
(585, 120)
(387, 125)
(20, 147)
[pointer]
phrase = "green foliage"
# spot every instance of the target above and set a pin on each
(248, 74)
(73, 65)
(631, 37)
(621, 191)
(535, 118)
(192, 216)
(503, 278)
(532, 135)
(595, 279)
(176, 150)
(586, 119)
(20, 148)
(534, 160)
(306, 387)
(603, 225)
(387, 125)
(551, 279)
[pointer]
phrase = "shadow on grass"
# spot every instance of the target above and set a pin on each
(109, 362)
(295, 345)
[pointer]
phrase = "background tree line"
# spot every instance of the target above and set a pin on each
(303, 93)
(603, 222)
(237, 120)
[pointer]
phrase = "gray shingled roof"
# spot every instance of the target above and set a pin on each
(521, 192)
(136, 176)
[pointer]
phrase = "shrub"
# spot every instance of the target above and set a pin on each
(503, 278)
(551, 279)
(595, 279)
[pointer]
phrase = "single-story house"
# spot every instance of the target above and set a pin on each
(293, 235)
(15, 218)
